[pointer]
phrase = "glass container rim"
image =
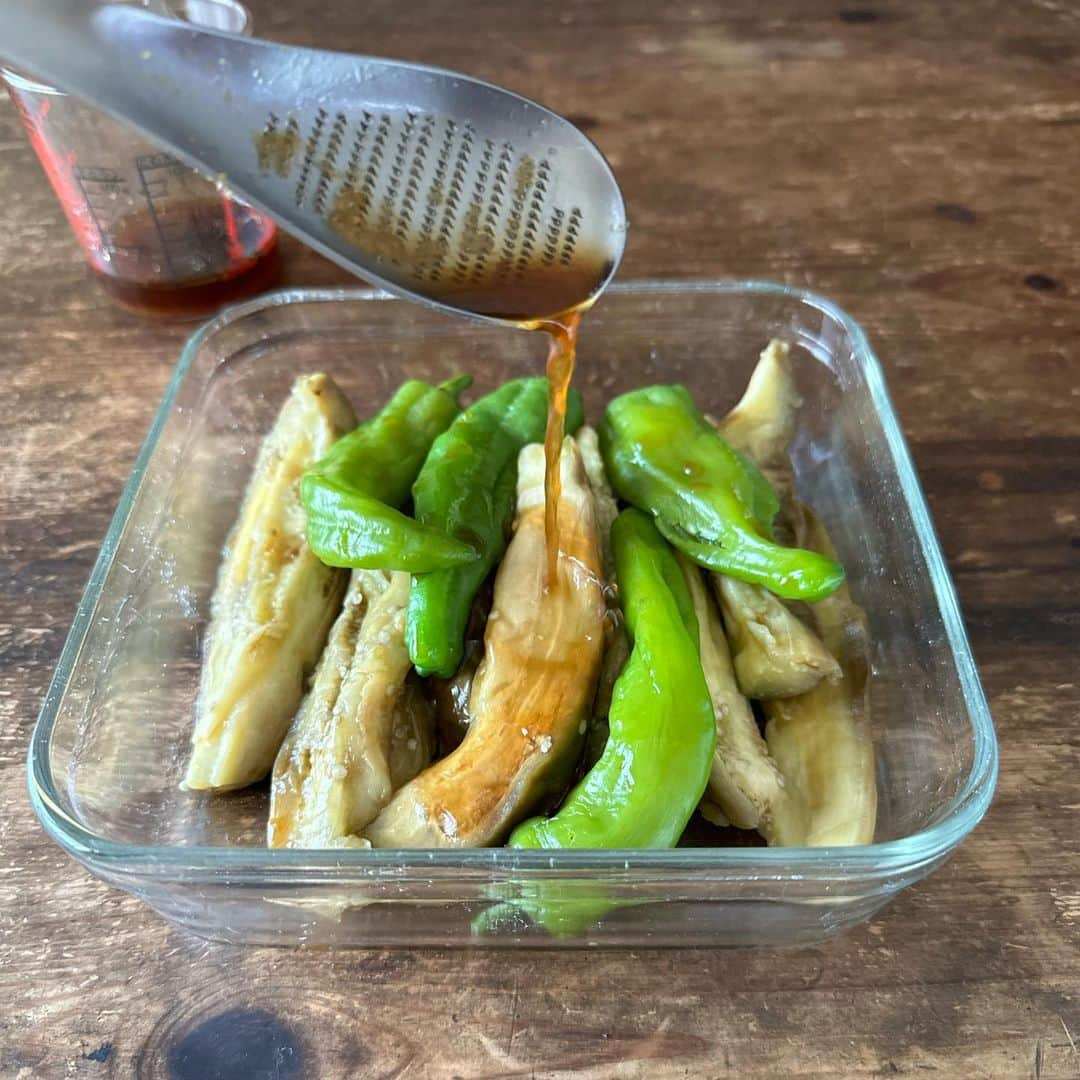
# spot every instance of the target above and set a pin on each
(885, 859)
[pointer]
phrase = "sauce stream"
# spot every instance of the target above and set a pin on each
(562, 351)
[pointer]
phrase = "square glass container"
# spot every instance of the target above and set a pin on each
(111, 743)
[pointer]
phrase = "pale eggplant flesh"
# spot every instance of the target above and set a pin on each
(822, 740)
(775, 653)
(763, 423)
(273, 604)
(364, 729)
(745, 785)
(532, 694)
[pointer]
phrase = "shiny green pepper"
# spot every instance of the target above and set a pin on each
(467, 489)
(564, 908)
(654, 768)
(708, 500)
(351, 494)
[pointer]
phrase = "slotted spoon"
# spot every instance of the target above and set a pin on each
(437, 186)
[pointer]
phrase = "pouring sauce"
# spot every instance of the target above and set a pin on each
(472, 277)
(562, 352)
(562, 331)
(533, 269)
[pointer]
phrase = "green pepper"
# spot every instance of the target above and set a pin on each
(467, 488)
(708, 500)
(654, 768)
(350, 495)
(564, 907)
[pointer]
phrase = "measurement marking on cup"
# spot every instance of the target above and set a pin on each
(155, 173)
(104, 181)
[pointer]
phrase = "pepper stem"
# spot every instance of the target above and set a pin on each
(456, 386)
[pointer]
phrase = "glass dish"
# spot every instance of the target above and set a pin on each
(111, 742)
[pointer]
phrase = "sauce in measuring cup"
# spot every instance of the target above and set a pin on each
(159, 236)
(204, 253)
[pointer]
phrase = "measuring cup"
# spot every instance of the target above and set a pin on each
(160, 237)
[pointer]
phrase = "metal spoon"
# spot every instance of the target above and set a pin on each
(442, 188)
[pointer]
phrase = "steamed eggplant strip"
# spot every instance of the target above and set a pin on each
(364, 729)
(712, 813)
(821, 744)
(744, 782)
(822, 740)
(841, 622)
(617, 642)
(820, 737)
(762, 424)
(532, 694)
(775, 653)
(607, 506)
(274, 602)
(452, 695)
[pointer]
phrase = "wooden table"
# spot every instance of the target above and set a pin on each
(919, 163)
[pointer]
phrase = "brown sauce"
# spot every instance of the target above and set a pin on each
(195, 300)
(534, 297)
(562, 330)
(189, 258)
(562, 352)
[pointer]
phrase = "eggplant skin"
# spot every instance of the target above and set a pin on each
(274, 601)
(364, 729)
(533, 691)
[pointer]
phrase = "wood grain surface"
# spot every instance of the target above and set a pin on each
(916, 161)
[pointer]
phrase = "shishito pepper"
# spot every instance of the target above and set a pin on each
(708, 500)
(654, 768)
(351, 495)
(466, 489)
(655, 764)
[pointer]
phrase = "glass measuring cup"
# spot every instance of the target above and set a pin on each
(160, 237)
